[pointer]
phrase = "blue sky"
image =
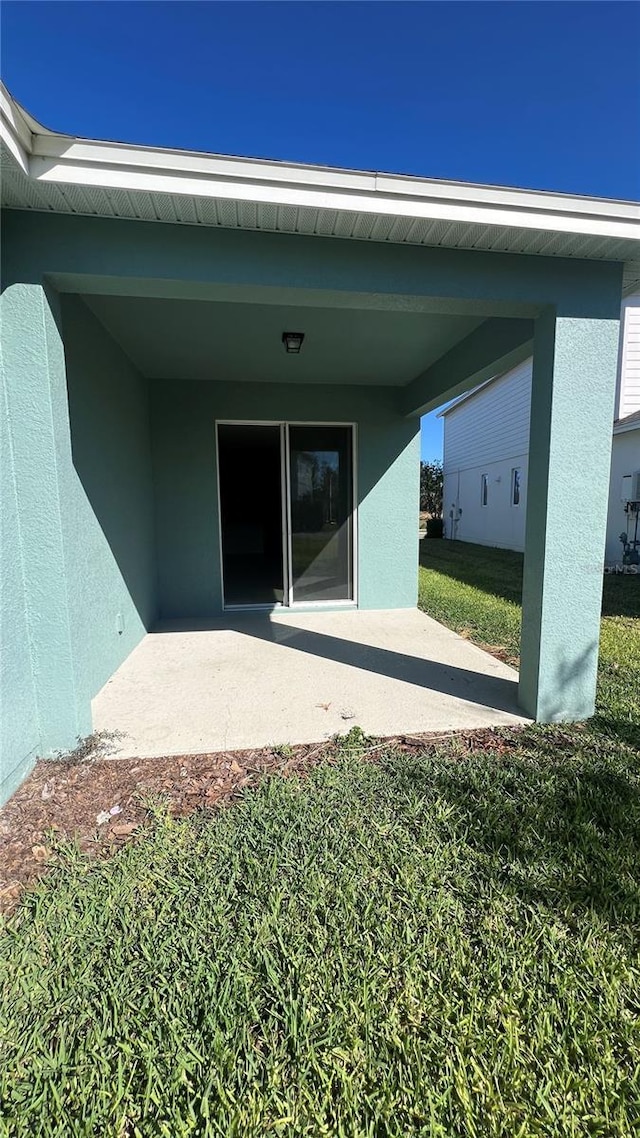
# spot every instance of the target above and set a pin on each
(544, 95)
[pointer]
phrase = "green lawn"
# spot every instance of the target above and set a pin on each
(441, 944)
(476, 591)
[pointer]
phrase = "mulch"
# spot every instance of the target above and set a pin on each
(101, 803)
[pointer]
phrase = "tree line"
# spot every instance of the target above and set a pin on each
(431, 482)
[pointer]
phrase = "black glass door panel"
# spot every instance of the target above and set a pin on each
(249, 461)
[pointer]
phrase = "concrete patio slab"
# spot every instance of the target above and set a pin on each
(269, 679)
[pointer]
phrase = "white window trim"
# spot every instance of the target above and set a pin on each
(516, 470)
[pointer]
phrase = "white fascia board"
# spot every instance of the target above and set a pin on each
(51, 157)
(505, 196)
(321, 192)
(88, 153)
(465, 395)
(14, 131)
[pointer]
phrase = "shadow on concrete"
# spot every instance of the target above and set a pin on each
(476, 687)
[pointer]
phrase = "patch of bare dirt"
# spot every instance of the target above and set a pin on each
(101, 803)
(500, 651)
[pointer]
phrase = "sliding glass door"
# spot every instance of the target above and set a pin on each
(320, 513)
(286, 503)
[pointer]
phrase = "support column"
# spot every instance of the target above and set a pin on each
(34, 379)
(574, 378)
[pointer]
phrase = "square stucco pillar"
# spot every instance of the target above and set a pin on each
(574, 376)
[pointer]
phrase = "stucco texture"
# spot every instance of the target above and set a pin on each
(572, 398)
(43, 712)
(78, 559)
(107, 500)
(19, 735)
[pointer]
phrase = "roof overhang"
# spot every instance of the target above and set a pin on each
(629, 423)
(466, 395)
(47, 171)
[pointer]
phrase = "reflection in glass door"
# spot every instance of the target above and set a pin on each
(321, 512)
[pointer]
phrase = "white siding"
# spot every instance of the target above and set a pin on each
(629, 374)
(499, 523)
(492, 425)
(488, 434)
(625, 459)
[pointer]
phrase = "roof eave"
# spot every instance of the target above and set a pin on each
(475, 216)
(50, 157)
(629, 423)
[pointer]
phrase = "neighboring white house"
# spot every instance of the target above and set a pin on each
(486, 450)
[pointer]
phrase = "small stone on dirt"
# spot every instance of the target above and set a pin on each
(123, 829)
(115, 810)
(103, 817)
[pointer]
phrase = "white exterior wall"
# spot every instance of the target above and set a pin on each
(488, 434)
(625, 459)
(628, 392)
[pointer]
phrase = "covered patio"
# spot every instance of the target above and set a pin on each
(272, 680)
(147, 298)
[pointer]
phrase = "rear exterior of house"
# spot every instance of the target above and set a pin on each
(486, 454)
(166, 458)
(172, 500)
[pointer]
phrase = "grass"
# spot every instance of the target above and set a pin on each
(477, 590)
(441, 943)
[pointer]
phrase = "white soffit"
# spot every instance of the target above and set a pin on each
(46, 171)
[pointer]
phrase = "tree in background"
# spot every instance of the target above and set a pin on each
(431, 481)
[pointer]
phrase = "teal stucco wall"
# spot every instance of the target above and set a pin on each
(572, 409)
(106, 500)
(198, 262)
(187, 527)
(19, 733)
(41, 715)
(77, 545)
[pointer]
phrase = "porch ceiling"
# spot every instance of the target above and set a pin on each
(209, 340)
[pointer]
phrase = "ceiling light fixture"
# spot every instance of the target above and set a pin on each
(292, 342)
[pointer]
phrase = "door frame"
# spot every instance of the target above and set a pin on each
(288, 603)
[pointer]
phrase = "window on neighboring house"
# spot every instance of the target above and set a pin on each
(516, 476)
(484, 489)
